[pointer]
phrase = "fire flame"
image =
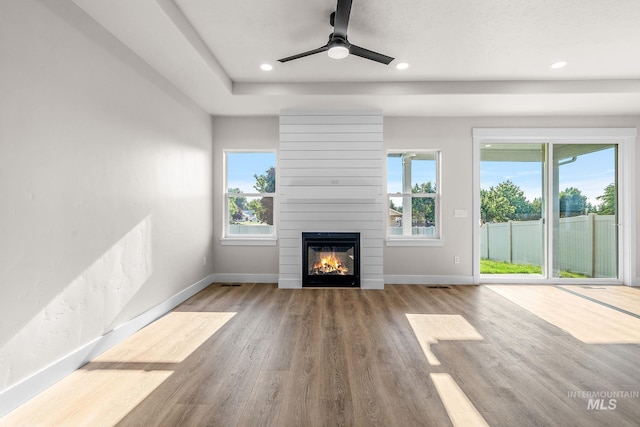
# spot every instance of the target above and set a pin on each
(330, 263)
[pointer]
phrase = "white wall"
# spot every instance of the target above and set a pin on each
(241, 263)
(331, 170)
(105, 186)
(451, 135)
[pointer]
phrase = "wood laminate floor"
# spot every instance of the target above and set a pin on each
(255, 355)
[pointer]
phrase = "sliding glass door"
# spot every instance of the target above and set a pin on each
(512, 209)
(584, 226)
(548, 210)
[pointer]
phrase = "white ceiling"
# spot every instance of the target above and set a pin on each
(467, 57)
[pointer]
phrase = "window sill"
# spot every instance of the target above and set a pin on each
(414, 242)
(248, 241)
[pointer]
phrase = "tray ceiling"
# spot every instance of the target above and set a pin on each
(483, 57)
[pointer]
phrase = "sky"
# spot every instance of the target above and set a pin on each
(590, 173)
(242, 167)
(422, 171)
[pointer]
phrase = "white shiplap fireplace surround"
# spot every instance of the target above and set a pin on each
(331, 169)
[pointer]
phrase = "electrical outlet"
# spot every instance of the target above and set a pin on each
(204, 260)
(456, 259)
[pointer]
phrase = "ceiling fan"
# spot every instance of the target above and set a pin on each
(338, 46)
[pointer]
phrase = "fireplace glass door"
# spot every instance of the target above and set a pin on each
(331, 259)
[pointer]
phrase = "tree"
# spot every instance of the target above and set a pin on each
(607, 201)
(506, 201)
(423, 208)
(536, 207)
(573, 203)
(494, 207)
(257, 207)
(265, 184)
(236, 205)
(514, 194)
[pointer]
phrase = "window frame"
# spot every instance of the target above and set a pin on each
(416, 240)
(624, 138)
(247, 239)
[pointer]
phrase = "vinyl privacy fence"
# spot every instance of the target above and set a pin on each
(587, 244)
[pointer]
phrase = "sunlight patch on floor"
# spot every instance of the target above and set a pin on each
(170, 339)
(588, 321)
(429, 328)
(105, 390)
(458, 406)
(624, 297)
(92, 398)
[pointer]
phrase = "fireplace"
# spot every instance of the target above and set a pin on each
(331, 260)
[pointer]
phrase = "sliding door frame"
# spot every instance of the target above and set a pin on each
(625, 138)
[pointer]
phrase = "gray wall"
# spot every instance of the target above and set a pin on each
(453, 136)
(105, 186)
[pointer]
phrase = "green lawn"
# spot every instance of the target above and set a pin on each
(488, 266)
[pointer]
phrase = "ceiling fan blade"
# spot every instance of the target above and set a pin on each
(341, 21)
(307, 53)
(369, 54)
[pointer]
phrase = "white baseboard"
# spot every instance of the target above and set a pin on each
(401, 279)
(371, 284)
(245, 278)
(16, 395)
(290, 283)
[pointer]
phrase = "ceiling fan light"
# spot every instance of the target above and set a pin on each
(338, 52)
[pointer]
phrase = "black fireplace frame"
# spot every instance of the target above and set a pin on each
(330, 239)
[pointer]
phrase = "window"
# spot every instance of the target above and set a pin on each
(413, 192)
(250, 185)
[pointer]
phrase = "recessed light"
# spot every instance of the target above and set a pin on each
(402, 66)
(266, 67)
(559, 64)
